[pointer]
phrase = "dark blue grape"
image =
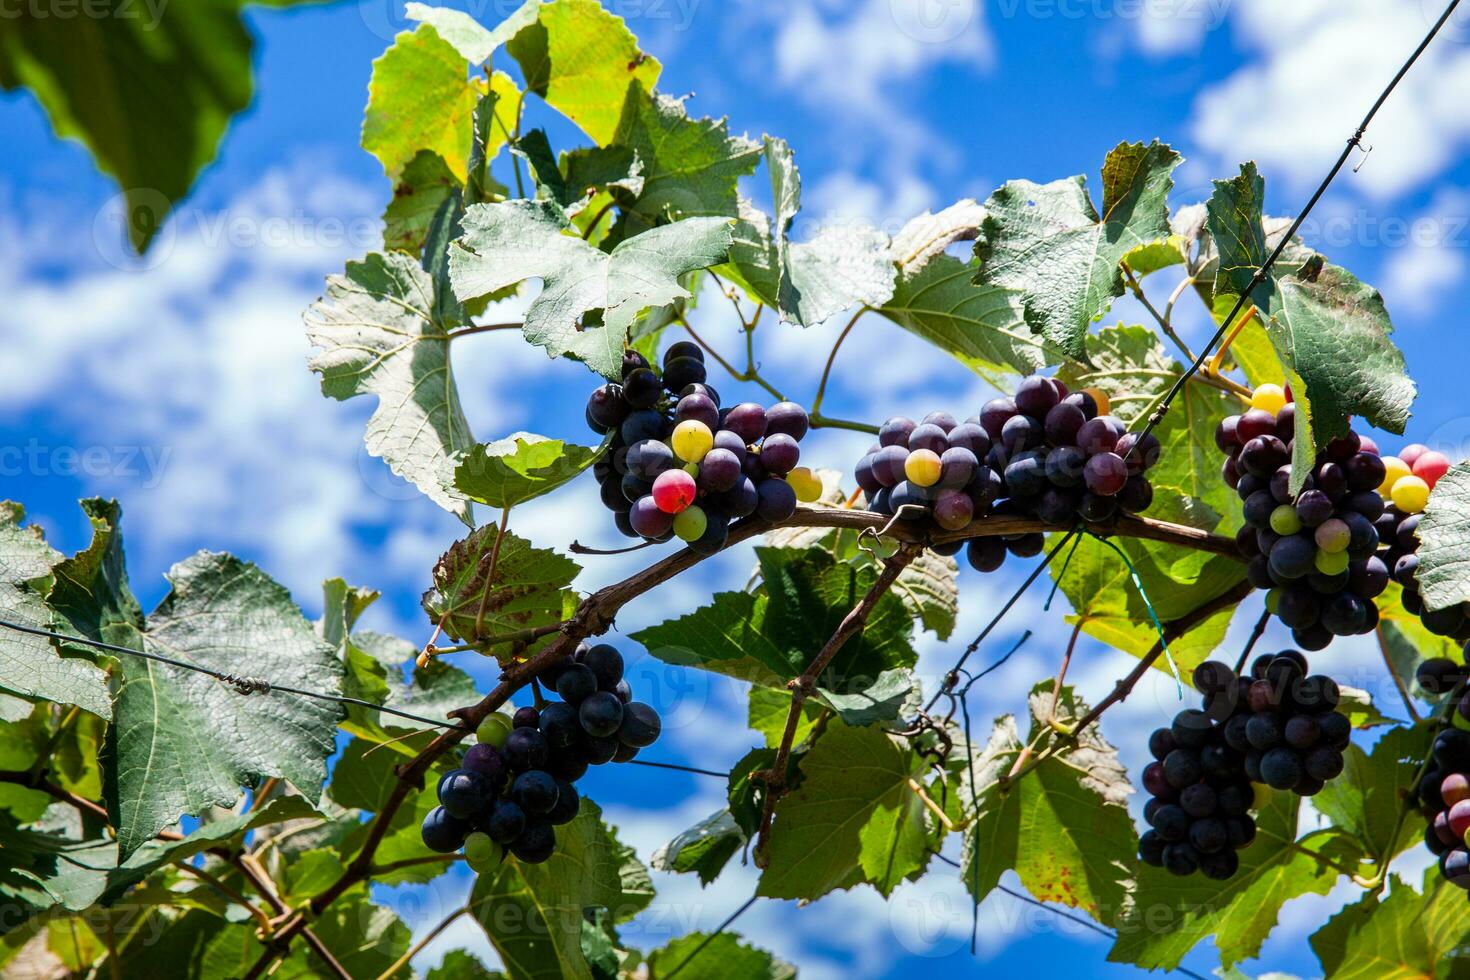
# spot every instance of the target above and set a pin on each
(443, 832)
(640, 725)
(1065, 465)
(568, 803)
(985, 554)
(971, 436)
(534, 791)
(536, 844)
(601, 714)
(1281, 768)
(777, 500)
(462, 792)
(576, 684)
(1026, 474)
(779, 453)
(682, 371)
(525, 748)
(787, 418)
(606, 664)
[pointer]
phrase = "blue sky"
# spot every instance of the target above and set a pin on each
(179, 383)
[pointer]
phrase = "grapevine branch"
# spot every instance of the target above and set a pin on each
(596, 614)
(802, 687)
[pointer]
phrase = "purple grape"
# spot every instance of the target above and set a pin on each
(1105, 474)
(1100, 435)
(994, 414)
(1084, 401)
(648, 520)
(928, 436)
(1262, 456)
(683, 371)
(1226, 437)
(699, 388)
(607, 407)
(643, 424)
(1062, 424)
(649, 458)
(1313, 507)
(719, 470)
(1096, 508)
(1331, 479)
(985, 554)
(1036, 396)
(748, 421)
(1064, 466)
(969, 435)
(779, 453)
(1137, 494)
(957, 467)
(485, 760)
(741, 499)
(1365, 471)
(1022, 432)
(895, 432)
(1058, 507)
(953, 509)
(1025, 476)
(1255, 423)
(888, 465)
(1145, 451)
(727, 440)
(698, 408)
(865, 476)
(944, 420)
(787, 418)
(777, 500)
(642, 388)
(752, 467)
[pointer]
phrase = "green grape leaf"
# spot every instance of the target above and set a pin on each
(1331, 332)
(839, 268)
(721, 957)
(769, 637)
(1444, 541)
(529, 587)
(704, 848)
(1051, 243)
(30, 666)
(421, 189)
(533, 913)
(174, 78)
(983, 327)
(1403, 936)
(1169, 915)
(1361, 712)
(690, 167)
(420, 97)
(854, 818)
(226, 614)
(767, 712)
(1077, 800)
(518, 468)
(366, 938)
(517, 240)
(1366, 800)
(582, 60)
(459, 964)
(380, 332)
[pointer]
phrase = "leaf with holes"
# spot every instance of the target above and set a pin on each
(1076, 802)
(483, 591)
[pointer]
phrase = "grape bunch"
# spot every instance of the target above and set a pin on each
(682, 466)
(1315, 551)
(1444, 797)
(1286, 723)
(1048, 453)
(515, 785)
(1409, 478)
(1200, 794)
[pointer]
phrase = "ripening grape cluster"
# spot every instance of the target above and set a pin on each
(515, 785)
(1048, 453)
(1200, 797)
(683, 466)
(1409, 478)
(1444, 795)
(1277, 726)
(1316, 551)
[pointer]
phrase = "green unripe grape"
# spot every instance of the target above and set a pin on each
(481, 853)
(1333, 535)
(1273, 599)
(1284, 520)
(690, 523)
(494, 730)
(692, 469)
(1332, 562)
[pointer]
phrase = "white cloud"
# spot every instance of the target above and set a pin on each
(1317, 67)
(1425, 265)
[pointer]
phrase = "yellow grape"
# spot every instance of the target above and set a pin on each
(922, 468)
(1269, 398)
(1410, 494)
(1395, 469)
(808, 485)
(691, 440)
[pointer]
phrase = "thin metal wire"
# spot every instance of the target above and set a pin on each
(1260, 275)
(245, 685)
(711, 937)
(678, 768)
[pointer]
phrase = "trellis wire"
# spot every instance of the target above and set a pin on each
(1354, 142)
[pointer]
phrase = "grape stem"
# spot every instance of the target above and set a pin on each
(490, 572)
(1163, 321)
(831, 359)
(423, 944)
(1250, 644)
(803, 686)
